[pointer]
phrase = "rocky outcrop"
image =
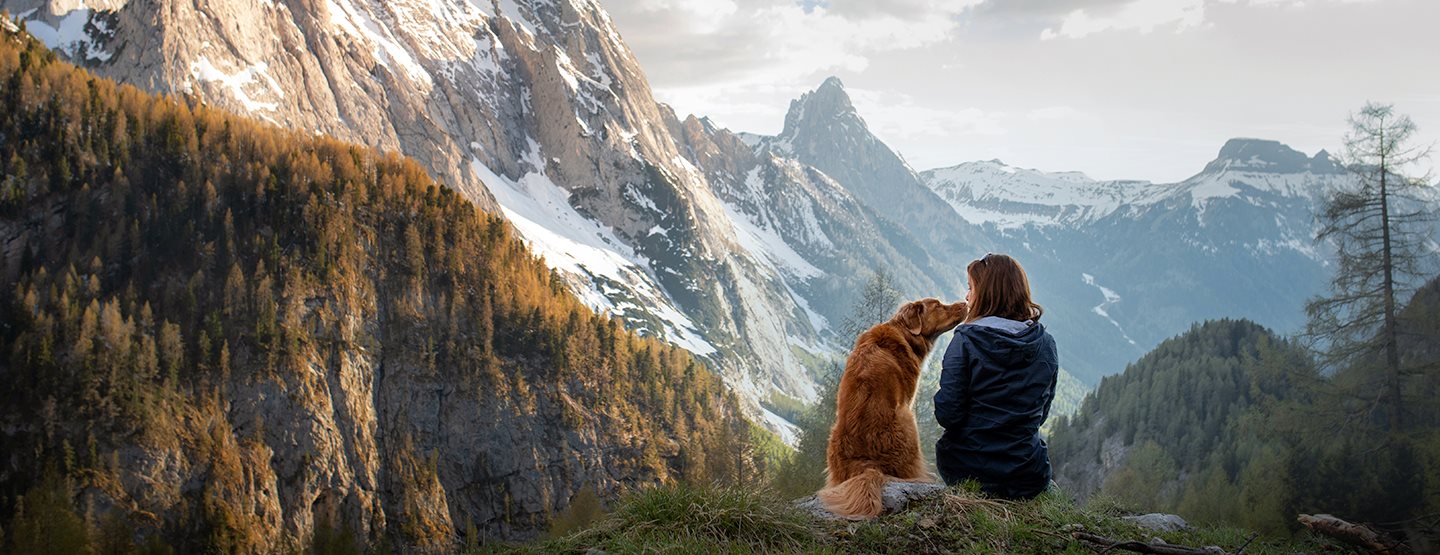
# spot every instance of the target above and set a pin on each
(1158, 522)
(895, 498)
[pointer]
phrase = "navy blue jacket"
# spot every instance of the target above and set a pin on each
(995, 390)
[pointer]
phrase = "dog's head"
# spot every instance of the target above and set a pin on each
(930, 317)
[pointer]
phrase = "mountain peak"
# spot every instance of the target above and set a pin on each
(827, 108)
(1266, 156)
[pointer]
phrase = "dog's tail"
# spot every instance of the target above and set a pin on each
(860, 496)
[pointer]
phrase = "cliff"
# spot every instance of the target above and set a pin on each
(221, 335)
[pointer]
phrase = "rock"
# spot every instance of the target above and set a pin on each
(1158, 522)
(896, 497)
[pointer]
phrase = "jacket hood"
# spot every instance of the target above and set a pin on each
(1006, 341)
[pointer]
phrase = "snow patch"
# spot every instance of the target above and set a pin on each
(788, 432)
(582, 248)
(203, 70)
(601, 74)
(755, 238)
(68, 35)
(1111, 297)
(351, 19)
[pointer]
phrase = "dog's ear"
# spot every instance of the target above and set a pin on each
(910, 318)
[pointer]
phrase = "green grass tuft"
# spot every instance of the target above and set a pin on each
(692, 519)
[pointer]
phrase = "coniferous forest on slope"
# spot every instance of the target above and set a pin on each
(222, 337)
(1230, 423)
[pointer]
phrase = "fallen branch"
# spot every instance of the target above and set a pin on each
(1142, 547)
(1358, 535)
(1252, 537)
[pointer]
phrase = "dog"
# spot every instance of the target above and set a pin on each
(874, 438)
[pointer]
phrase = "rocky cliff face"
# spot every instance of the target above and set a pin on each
(535, 109)
(823, 129)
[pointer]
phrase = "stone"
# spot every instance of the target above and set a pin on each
(1158, 522)
(896, 497)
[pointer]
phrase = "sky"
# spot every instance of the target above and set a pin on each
(1118, 89)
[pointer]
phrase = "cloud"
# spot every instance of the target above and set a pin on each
(902, 9)
(1140, 15)
(697, 42)
(1144, 16)
(1043, 7)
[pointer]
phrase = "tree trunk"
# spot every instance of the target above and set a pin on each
(1357, 535)
(1391, 335)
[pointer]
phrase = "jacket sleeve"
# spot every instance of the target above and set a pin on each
(953, 399)
(1054, 361)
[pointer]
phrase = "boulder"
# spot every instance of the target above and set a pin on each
(1158, 522)
(896, 497)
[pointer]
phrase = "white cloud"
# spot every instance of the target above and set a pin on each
(694, 42)
(1140, 15)
(1146, 16)
(701, 15)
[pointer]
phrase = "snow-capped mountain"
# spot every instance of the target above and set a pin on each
(1006, 197)
(1122, 265)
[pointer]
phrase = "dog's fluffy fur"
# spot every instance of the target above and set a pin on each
(874, 438)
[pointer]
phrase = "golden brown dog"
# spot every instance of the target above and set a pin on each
(874, 437)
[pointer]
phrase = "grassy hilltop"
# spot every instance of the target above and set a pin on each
(688, 519)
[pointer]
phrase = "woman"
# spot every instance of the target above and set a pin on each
(996, 384)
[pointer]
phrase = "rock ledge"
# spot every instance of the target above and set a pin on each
(896, 497)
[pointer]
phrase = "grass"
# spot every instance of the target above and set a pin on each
(690, 519)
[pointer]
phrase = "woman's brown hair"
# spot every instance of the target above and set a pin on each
(1001, 289)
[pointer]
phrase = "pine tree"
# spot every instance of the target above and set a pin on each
(1380, 229)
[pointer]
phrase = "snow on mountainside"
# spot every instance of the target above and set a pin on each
(1007, 197)
(1252, 167)
(990, 192)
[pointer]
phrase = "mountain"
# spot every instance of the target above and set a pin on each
(1121, 265)
(531, 109)
(823, 129)
(826, 240)
(1007, 198)
(221, 336)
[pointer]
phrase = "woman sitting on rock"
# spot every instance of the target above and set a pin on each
(996, 385)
